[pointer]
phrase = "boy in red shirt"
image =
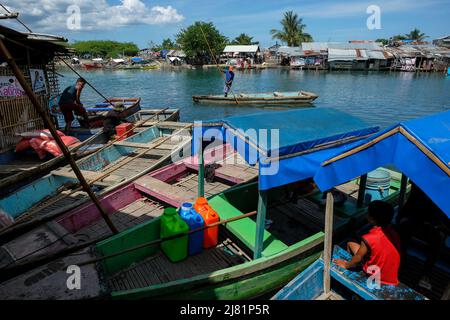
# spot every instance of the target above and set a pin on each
(380, 247)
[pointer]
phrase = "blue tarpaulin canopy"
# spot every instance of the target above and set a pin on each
(419, 148)
(288, 145)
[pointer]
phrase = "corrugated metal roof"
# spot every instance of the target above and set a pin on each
(316, 46)
(357, 45)
(241, 48)
(290, 51)
(341, 55)
(374, 54)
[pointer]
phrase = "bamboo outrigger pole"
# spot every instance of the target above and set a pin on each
(87, 82)
(20, 77)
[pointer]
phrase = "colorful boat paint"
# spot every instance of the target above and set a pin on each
(41, 196)
(236, 276)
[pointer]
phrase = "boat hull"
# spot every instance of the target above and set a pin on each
(247, 281)
(305, 98)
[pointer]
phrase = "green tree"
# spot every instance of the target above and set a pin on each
(169, 44)
(383, 41)
(416, 35)
(197, 49)
(292, 32)
(243, 39)
(105, 48)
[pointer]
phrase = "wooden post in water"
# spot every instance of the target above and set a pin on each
(201, 171)
(260, 223)
(361, 190)
(328, 243)
(48, 123)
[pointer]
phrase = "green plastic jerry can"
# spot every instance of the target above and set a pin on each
(172, 224)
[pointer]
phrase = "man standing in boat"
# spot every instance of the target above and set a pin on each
(229, 77)
(69, 103)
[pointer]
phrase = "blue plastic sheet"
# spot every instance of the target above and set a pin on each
(433, 132)
(303, 138)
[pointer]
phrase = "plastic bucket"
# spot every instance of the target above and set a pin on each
(377, 186)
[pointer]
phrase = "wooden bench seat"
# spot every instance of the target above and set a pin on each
(163, 191)
(245, 229)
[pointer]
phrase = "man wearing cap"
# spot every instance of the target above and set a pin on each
(229, 77)
(112, 119)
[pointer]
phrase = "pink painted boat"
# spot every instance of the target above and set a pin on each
(135, 203)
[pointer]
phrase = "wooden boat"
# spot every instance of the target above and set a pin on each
(418, 141)
(107, 168)
(228, 271)
(252, 258)
(348, 284)
(29, 166)
(130, 205)
(92, 66)
(293, 98)
(97, 114)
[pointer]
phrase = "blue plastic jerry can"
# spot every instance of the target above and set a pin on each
(194, 220)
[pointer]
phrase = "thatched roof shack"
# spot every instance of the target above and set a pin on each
(34, 53)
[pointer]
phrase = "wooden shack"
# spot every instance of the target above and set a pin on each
(35, 55)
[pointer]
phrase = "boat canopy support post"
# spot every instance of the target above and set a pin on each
(328, 243)
(361, 190)
(4, 52)
(201, 172)
(260, 223)
(401, 197)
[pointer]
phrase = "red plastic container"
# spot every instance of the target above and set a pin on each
(211, 235)
(122, 128)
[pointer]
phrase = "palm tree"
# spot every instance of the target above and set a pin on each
(292, 32)
(243, 39)
(415, 34)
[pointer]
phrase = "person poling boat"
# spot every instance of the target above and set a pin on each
(229, 77)
(69, 103)
(113, 118)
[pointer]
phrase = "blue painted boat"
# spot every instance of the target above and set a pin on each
(348, 285)
(419, 148)
(106, 169)
(16, 169)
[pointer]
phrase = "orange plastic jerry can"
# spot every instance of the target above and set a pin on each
(211, 235)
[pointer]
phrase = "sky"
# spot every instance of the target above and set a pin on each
(145, 21)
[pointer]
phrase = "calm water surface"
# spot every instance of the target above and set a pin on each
(380, 98)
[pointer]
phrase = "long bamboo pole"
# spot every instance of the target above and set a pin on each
(10, 272)
(158, 241)
(215, 60)
(34, 100)
(87, 82)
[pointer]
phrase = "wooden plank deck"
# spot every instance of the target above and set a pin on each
(137, 212)
(158, 269)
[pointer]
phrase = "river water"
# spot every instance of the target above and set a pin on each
(380, 98)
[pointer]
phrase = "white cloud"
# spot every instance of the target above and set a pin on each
(51, 15)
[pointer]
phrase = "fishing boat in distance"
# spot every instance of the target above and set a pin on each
(269, 98)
